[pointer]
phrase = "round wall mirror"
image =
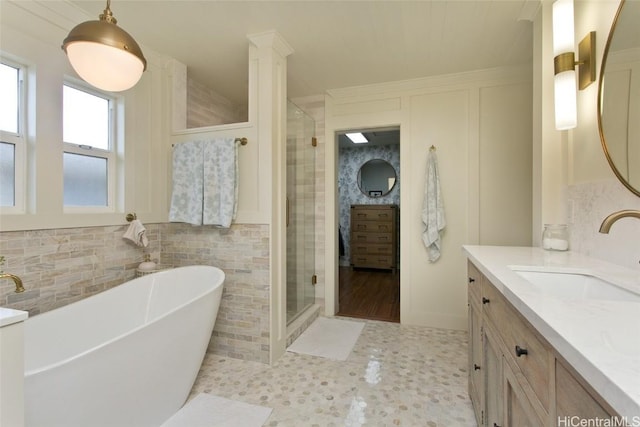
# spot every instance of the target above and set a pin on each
(619, 96)
(376, 178)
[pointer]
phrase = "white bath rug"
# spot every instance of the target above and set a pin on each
(207, 410)
(330, 338)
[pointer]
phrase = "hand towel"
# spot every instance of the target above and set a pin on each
(186, 197)
(220, 188)
(136, 233)
(432, 209)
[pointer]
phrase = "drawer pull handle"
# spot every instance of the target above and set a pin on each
(471, 280)
(485, 300)
(521, 351)
(476, 367)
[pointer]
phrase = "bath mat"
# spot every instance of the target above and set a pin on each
(207, 410)
(330, 338)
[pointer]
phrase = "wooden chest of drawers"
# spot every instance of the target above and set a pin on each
(374, 234)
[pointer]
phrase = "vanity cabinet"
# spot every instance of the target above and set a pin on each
(373, 240)
(516, 378)
(476, 364)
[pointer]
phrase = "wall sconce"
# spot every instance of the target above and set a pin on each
(564, 64)
(105, 55)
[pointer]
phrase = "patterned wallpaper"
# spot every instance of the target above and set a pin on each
(349, 162)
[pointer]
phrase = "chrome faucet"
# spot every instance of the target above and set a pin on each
(16, 280)
(608, 221)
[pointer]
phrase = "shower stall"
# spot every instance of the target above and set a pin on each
(300, 211)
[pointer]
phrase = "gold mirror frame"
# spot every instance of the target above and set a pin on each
(603, 140)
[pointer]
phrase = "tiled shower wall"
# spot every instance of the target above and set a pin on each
(61, 266)
(314, 107)
(206, 107)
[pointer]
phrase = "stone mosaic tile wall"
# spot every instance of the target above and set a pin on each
(592, 202)
(314, 106)
(206, 107)
(61, 266)
(242, 252)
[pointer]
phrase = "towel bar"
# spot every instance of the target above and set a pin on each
(242, 141)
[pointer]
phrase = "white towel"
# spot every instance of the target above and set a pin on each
(220, 191)
(186, 197)
(136, 233)
(432, 209)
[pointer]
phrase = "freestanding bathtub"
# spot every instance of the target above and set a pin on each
(126, 357)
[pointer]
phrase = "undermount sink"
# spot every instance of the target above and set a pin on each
(572, 285)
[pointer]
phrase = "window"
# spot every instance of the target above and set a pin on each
(11, 137)
(89, 156)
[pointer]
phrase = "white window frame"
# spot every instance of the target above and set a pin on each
(19, 142)
(110, 155)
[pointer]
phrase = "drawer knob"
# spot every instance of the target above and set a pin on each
(476, 367)
(471, 280)
(521, 351)
(485, 300)
(495, 425)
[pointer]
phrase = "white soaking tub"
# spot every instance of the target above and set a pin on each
(126, 357)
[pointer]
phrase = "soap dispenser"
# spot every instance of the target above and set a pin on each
(147, 264)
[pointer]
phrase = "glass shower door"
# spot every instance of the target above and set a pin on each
(300, 211)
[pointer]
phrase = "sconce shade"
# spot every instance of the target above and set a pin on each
(565, 99)
(105, 55)
(564, 79)
(563, 29)
(564, 63)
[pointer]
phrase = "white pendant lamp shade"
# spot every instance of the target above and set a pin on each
(105, 55)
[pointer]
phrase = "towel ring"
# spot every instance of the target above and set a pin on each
(131, 216)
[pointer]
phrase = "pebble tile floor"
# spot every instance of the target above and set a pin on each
(396, 375)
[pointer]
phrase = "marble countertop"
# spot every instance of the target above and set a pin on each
(9, 316)
(599, 338)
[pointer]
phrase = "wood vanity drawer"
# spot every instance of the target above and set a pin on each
(379, 249)
(522, 344)
(372, 226)
(363, 237)
(373, 261)
(371, 214)
(373, 240)
(474, 281)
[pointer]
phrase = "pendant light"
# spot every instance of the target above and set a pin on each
(105, 55)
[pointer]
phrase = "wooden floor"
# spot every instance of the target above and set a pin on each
(370, 294)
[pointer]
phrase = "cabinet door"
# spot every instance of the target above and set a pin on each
(475, 361)
(492, 368)
(517, 411)
(573, 400)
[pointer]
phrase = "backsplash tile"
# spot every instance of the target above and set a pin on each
(62, 266)
(592, 202)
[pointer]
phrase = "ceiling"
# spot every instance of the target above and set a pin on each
(375, 137)
(336, 43)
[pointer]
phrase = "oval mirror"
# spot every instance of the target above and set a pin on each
(619, 96)
(376, 178)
